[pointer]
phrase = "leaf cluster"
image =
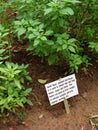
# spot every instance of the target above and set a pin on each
(12, 91)
(57, 29)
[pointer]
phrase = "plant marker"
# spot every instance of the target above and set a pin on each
(66, 106)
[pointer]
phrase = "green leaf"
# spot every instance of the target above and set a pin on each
(31, 36)
(49, 33)
(67, 11)
(5, 34)
(21, 31)
(29, 78)
(2, 88)
(59, 48)
(27, 91)
(17, 72)
(2, 77)
(2, 101)
(36, 42)
(2, 51)
(36, 33)
(47, 11)
(61, 22)
(50, 42)
(10, 90)
(96, 124)
(29, 102)
(43, 38)
(8, 64)
(17, 83)
(10, 99)
(53, 59)
(72, 40)
(41, 26)
(72, 49)
(24, 99)
(64, 46)
(19, 102)
(60, 41)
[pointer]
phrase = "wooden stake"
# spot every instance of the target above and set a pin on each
(66, 106)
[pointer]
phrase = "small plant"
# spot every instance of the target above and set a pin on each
(5, 45)
(47, 32)
(21, 115)
(92, 122)
(93, 47)
(12, 91)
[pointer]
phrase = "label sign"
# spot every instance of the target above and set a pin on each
(61, 89)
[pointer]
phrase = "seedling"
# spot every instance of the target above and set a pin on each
(21, 115)
(91, 118)
(12, 91)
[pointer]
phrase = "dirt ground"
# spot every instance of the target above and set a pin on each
(42, 116)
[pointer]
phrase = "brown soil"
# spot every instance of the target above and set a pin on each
(42, 116)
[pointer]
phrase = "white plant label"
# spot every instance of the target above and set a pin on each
(61, 89)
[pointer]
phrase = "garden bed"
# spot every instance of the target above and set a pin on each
(42, 116)
(40, 42)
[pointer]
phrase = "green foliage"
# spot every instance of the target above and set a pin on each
(92, 120)
(85, 26)
(94, 47)
(12, 76)
(47, 31)
(20, 115)
(12, 92)
(5, 46)
(3, 7)
(57, 29)
(76, 60)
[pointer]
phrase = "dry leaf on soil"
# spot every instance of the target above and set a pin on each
(42, 81)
